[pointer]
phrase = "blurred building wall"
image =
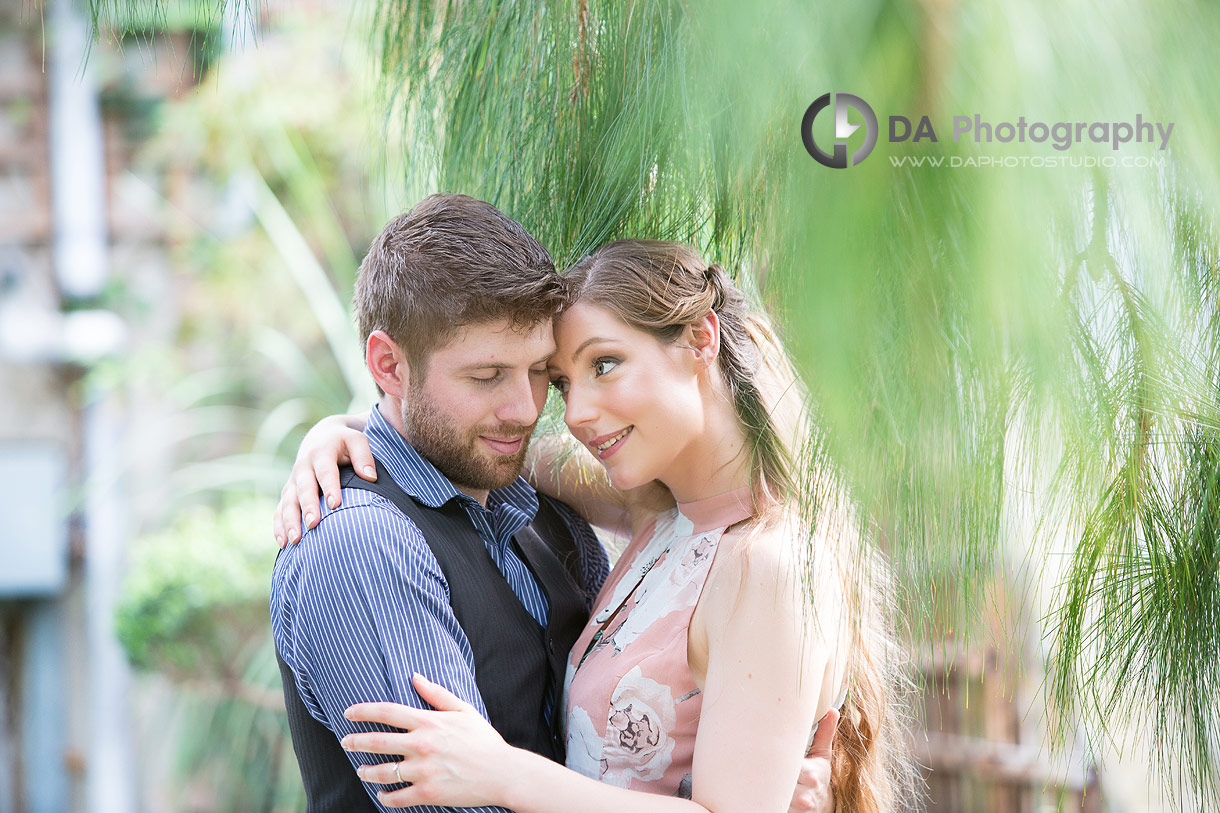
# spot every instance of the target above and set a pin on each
(62, 678)
(42, 726)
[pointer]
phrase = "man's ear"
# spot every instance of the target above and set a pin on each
(388, 363)
(703, 338)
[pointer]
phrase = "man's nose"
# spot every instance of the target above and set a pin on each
(520, 406)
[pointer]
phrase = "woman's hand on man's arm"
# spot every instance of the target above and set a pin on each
(331, 443)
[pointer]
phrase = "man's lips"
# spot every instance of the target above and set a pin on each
(503, 445)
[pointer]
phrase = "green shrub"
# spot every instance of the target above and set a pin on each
(195, 598)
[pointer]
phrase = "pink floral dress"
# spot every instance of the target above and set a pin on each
(633, 706)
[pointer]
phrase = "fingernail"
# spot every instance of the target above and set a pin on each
(360, 772)
(418, 676)
(346, 741)
(292, 535)
(309, 520)
(279, 540)
(332, 500)
(370, 471)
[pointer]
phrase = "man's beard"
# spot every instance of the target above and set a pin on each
(459, 455)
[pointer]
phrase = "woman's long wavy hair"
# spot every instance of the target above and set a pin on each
(661, 288)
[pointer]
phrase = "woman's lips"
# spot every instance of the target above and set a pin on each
(607, 445)
(505, 446)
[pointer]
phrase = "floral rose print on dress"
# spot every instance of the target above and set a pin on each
(636, 730)
(639, 742)
(672, 586)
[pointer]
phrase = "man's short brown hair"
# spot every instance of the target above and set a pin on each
(449, 262)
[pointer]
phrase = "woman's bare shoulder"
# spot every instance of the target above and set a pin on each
(774, 544)
(754, 561)
(762, 564)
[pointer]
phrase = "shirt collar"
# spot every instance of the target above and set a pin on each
(423, 481)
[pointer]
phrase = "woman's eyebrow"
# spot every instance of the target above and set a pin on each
(586, 343)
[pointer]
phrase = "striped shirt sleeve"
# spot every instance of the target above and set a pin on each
(594, 564)
(358, 606)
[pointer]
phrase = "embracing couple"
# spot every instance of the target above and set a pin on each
(449, 631)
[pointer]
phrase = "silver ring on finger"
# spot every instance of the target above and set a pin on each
(397, 775)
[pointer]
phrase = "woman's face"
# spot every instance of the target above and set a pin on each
(632, 400)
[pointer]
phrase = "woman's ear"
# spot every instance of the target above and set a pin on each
(387, 363)
(703, 338)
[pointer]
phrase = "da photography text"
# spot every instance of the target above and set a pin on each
(1061, 134)
(856, 131)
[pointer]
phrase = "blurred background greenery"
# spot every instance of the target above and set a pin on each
(284, 156)
(1017, 369)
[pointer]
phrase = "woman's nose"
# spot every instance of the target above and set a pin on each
(579, 408)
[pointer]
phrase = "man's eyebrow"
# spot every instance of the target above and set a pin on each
(500, 365)
(485, 365)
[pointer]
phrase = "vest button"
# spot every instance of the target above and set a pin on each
(550, 645)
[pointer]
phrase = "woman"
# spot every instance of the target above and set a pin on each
(730, 623)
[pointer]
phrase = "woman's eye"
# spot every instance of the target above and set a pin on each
(604, 365)
(560, 385)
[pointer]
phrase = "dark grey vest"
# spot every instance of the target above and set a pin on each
(519, 666)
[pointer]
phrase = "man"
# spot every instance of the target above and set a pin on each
(451, 565)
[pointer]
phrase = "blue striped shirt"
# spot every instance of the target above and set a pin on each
(360, 603)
